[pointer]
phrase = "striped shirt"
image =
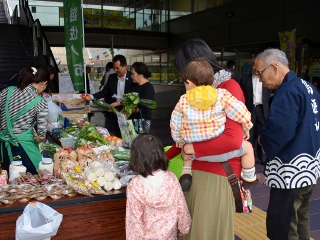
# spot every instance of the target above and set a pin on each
(191, 124)
(18, 100)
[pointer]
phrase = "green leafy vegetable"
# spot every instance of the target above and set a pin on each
(102, 106)
(148, 103)
(70, 131)
(90, 133)
(121, 154)
(50, 148)
(132, 100)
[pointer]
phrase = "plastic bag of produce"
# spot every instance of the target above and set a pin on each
(126, 129)
(38, 221)
(53, 109)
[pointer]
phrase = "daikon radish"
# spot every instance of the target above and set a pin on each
(101, 181)
(100, 172)
(92, 177)
(109, 176)
(95, 164)
(108, 186)
(116, 183)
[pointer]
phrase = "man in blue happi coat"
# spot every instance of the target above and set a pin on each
(291, 141)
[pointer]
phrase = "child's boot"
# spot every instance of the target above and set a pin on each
(186, 179)
(250, 178)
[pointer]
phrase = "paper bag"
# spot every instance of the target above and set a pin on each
(37, 222)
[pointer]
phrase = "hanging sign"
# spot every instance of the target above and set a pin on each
(74, 42)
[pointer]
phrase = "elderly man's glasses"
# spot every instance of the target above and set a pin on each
(258, 73)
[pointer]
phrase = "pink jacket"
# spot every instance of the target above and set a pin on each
(156, 208)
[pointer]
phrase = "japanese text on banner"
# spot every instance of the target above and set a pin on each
(74, 42)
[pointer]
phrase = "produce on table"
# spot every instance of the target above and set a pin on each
(86, 155)
(92, 176)
(103, 131)
(108, 186)
(81, 188)
(94, 188)
(114, 141)
(105, 156)
(90, 135)
(109, 176)
(101, 181)
(50, 148)
(116, 183)
(96, 164)
(100, 172)
(71, 131)
(121, 155)
(65, 159)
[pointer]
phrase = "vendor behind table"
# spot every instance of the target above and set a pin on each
(118, 84)
(23, 109)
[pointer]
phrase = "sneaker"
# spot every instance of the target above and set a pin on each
(259, 180)
(185, 182)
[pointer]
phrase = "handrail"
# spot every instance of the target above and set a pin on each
(40, 40)
(6, 10)
(14, 18)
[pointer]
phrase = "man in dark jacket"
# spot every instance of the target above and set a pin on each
(256, 99)
(290, 138)
(231, 67)
(118, 84)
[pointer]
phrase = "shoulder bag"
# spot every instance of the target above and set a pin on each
(242, 197)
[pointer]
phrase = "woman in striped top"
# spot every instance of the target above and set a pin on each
(22, 109)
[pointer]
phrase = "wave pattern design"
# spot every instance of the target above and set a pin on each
(301, 171)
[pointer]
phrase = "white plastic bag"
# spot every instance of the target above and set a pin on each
(53, 109)
(37, 222)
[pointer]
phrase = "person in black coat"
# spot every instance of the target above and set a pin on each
(118, 84)
(231, 67)
(257, 101)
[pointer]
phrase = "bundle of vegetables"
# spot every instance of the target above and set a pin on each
(89, 133)
(49, 148)
(86, 156)
(103, 175)
(102, 106)
(121, 155)
(71, 131)
(132, 100)
(64, 160)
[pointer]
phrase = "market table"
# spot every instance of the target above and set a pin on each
(98, 217)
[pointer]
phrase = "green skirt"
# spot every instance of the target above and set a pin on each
(212, 208)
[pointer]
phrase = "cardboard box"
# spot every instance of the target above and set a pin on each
(72, 103)
(73, 116)
(75, 106)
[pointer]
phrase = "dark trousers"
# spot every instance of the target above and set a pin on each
(287, 212)
(300, 221)
(111, 123)
(16, 152)
(258, 120)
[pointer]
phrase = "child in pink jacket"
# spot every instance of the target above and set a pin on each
(156, 207)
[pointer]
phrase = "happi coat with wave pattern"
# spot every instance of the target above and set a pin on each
(291, 135)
